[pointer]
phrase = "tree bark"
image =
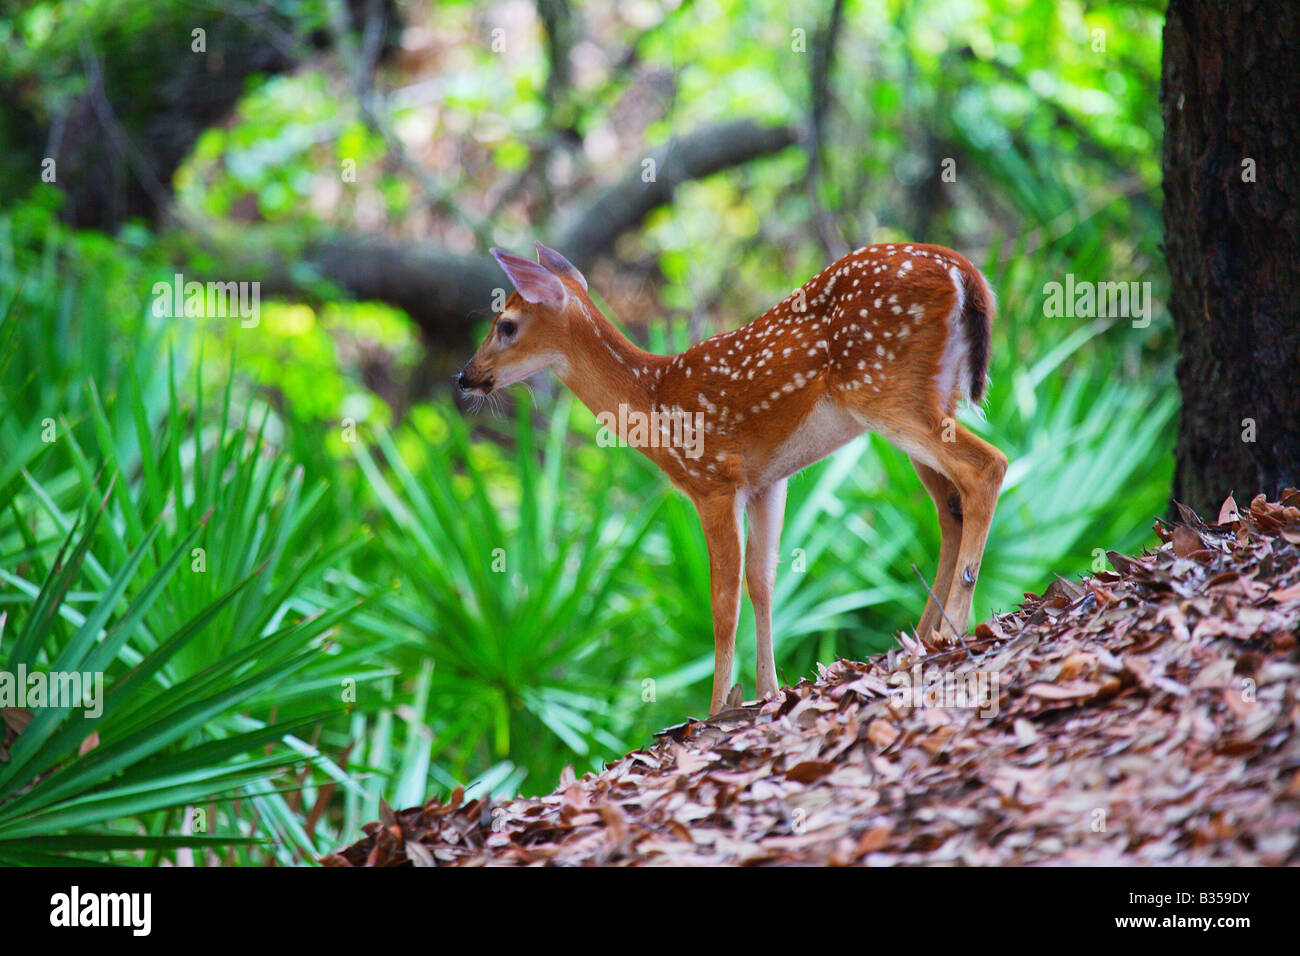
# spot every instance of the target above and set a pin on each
(1230, 95)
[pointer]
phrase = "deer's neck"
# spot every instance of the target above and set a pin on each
(607, 371)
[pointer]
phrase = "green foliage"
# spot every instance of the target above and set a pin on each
(514, 593)
(181, 564)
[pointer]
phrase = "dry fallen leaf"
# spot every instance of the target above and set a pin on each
(1069, 691)
(1285, 595)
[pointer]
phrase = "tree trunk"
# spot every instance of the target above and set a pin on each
(1230, 95)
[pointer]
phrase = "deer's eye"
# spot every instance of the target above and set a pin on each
(506, 329)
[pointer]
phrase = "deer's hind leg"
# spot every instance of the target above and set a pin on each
(947, 503)
(972, 466)
(977, 469)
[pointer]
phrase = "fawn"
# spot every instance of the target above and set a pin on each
(887, 339)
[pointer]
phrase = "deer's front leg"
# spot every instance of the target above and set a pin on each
(766, 510)
(720, 516)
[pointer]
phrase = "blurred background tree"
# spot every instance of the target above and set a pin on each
(288, 532)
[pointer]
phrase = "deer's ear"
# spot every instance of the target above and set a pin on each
(559, 265)
(534, 282)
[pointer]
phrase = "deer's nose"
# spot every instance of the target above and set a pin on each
(467, 384)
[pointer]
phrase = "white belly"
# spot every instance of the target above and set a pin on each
(826, 428)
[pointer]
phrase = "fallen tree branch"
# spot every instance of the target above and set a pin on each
(445, 292)
(701, 153)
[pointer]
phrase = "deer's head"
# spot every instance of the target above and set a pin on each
(529, 332)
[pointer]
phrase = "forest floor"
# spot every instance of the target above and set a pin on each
(1143, 716)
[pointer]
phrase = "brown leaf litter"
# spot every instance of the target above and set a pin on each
(1142, 716)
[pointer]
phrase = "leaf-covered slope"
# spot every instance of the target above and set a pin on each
(1143, 716)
